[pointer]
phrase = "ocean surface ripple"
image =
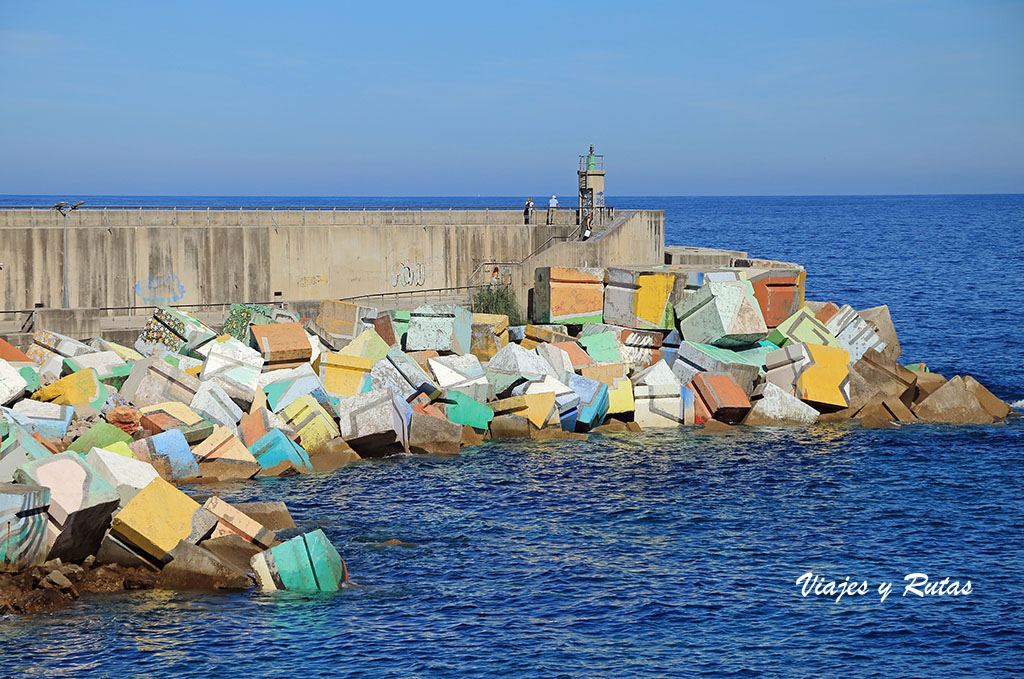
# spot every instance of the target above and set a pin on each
(670, 553)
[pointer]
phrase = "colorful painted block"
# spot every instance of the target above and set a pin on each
(11, 354)
(51, 420)
(12, 384)
(47, 345)
(158, 518)
(854, 333)
(169, 454)
(214, 405)
(464, 409)
(577, 354)
(80, 387)
(234, 366)
(402, 375)
(814, 373)
(605, 373)
(400, 322)
(384, 326)
(720, 396)
(127, 475)
(541, 333)
(878, 317)
(127, 354)
(556, 357)
(659, 373)
(659, 406)
(307, 563)
(445, 328)
(722, 314)
(375, 424)
(81, 503)
(256, 424)
(107, 364)
(154, 380)
(344, 319)
(284, 386)
(770, 404)
(345, 375)
(17, 447)
(779, 292)
(223, 456)
(241, 316)
(638, 299)
(368, 345)
(313, 423)
(602, 347)
(23, 522)
(526, 416)
(232, 521)
(171, 329)
(620, 397)
(512, 359)
(693, 358)
(489, 334)
(568, 294)
(802, 327)
(278, 455)
(283, 345)
(567, 401)
(175, 415)
(460, 372)
(593, 405)
(99, 435)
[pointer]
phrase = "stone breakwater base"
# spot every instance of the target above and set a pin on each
(96, 437)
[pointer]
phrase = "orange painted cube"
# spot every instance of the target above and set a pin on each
(283, 345)
(720, 396)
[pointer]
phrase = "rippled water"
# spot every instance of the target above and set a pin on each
(663, 554)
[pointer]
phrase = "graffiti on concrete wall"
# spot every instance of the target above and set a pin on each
(408, 274)
(310, 281)
(160, 290)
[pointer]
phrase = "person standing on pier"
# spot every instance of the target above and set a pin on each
(528, 211)
(552, 208)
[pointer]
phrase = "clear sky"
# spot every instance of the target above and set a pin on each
(388, 98)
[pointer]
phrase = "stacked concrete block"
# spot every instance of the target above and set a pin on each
(241, 316)
(233, 366)
(17, 447)
(854, 333)
(50, 345)
(540, 334)
(233, 521)
(107, 364)
(258, 423)
(444, 328)
(83, 387)
(720, 397)
(879, 319)
(283, 387)
(460, 372)
(955, 402)
(400, 323)
(670, 346)
(620, 397)
(526, 416)
(578, 356)
(602, 347)
(278, 455)
(568, 295)
(312, 422)
(214, 404)
(802, 327)
(345, 375)
(779, 292)
(307, 563)
(338, 323)
(722, 314)
(158, 518)
(23, 526)
(81, 503)
(489, 335)
(369, 344)
(384, 326)
(223, 456)
(567, 401)
(175, 415)
(556, 357)
(658, 397)
(429, 435)
(814, 373)
(638, 299)
(375, 424)
(99, 435)
(693, 358)
(770, 404)
(50, 419)
(593, 403)
(170, 455)
(127, 475)
(12, 384)
(401, 374)
(171, 329)
(465, 410)
(282, 345)
(12, 354)
(154, 380)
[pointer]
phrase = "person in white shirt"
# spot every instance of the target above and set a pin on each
(552, 208)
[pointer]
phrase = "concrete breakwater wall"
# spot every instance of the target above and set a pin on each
(120, 259)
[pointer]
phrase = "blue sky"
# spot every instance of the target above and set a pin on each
(683, 98)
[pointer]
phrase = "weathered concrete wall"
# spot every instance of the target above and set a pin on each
(126, 258)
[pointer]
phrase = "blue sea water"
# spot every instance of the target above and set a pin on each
(670, 553)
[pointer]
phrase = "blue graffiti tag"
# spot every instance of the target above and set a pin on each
(160, 289)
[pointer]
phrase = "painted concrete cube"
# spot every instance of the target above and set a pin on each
(445, 328)
(723, 314)
(23, 524)
(568, 294)
(307, 563)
